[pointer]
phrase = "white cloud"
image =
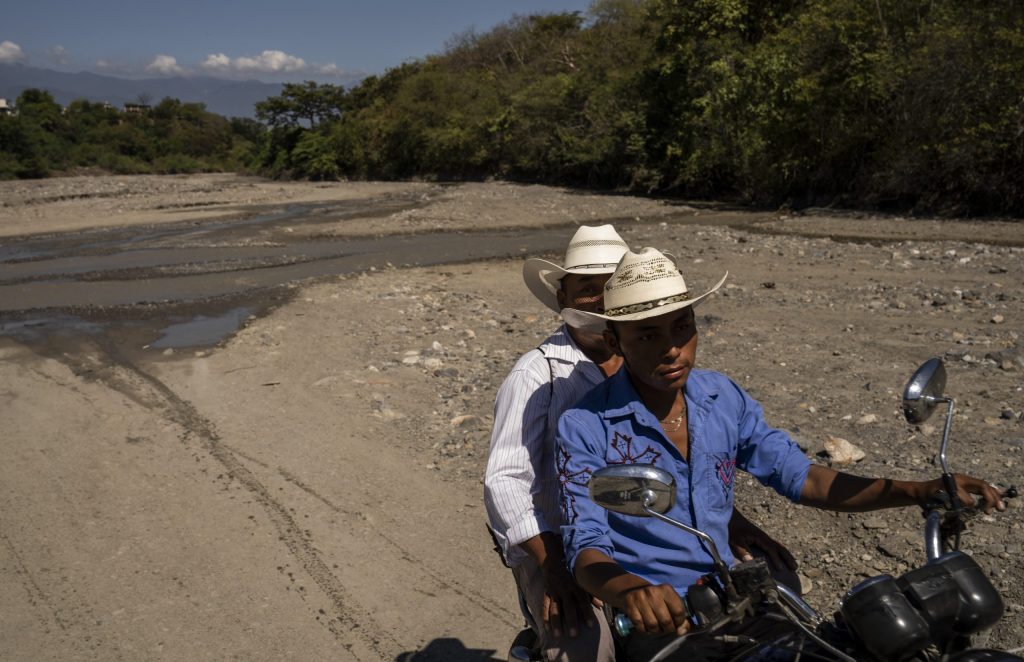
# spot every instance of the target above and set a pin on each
(166, 65)
(331, 70)
(217, 62)
(59, 55)
(10, 52)
(267, 62)
(270, 62)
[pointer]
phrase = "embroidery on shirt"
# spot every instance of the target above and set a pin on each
(726, 469)
(565, 477)
(623, 445)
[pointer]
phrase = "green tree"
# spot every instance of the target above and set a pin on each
(307, 102)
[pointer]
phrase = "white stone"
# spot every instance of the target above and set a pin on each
(842, 451)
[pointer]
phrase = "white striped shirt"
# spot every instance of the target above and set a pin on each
(521, 490)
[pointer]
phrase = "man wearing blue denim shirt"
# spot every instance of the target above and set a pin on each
(611, 425)
(698, 425)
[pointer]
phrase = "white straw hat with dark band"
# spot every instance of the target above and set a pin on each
(645, 284)
(592, 250)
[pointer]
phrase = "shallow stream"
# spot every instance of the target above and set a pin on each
(190, 285)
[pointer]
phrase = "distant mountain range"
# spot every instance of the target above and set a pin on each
(230, 98)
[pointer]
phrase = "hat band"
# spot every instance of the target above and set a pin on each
(589, 243)
(647, 305)
(596, 265)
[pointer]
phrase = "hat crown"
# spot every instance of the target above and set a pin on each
(594, 247)
(644, 278)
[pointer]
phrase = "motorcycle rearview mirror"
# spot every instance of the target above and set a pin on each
(633, 489)
(645, 490)
(924, 391)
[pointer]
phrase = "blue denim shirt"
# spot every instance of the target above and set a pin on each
(727, 431)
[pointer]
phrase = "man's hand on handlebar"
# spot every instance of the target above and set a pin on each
(656, 610)
(967, 487)
(744, 535)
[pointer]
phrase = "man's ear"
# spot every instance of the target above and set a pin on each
(560, 296)
(612, 341)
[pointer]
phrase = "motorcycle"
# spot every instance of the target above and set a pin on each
(928, 614)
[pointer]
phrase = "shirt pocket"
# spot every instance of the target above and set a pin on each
(720, 476)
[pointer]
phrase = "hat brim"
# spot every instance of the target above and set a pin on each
(541, 278)
(596, 322)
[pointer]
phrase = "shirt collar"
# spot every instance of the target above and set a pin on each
(623, 400)
(562, 347)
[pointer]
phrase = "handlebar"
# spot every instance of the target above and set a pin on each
(944, 519)
(623, 625)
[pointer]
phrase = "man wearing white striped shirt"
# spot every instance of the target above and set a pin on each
(521, 489)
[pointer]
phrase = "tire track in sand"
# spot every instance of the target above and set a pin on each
(36, 595)
(356, 636)
(409, 557)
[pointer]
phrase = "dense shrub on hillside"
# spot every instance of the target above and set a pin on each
(911, 104)
(899, 104)
(172, 137)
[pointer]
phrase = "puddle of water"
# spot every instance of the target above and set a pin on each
(340, 256)
(121, 239)
(39, 328)
(201, 331)
(93, 240)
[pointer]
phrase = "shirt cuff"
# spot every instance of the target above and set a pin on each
(796, 482)
(525, 529)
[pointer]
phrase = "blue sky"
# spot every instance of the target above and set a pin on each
(270, 41)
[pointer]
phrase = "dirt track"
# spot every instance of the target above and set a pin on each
(310, 488)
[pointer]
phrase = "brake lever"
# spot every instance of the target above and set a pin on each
(969, 512)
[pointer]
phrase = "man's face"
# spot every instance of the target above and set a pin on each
(660, 352)
(583, 292)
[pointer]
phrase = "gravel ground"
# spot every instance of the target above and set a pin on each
(825, 334)
(311, 486)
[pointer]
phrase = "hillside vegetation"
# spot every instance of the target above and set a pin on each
(171, 137)
(892, 104)
(886, 104)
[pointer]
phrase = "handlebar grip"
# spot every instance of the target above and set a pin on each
(623, 625)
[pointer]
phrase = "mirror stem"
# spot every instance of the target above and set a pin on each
(945, 434)
(721, 569)
(947, 475)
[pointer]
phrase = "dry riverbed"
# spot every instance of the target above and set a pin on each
(309, 487)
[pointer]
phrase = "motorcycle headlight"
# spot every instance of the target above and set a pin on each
(884, 620)
(933, 591)
(981, 606)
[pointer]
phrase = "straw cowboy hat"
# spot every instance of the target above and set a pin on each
(592, 250)
(645, 284)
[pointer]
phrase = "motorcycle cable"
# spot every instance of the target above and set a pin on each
(801, 653)
(676, 644)
(821, 642)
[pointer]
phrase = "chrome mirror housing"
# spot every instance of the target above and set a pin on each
(633, 489)
(924, 391)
